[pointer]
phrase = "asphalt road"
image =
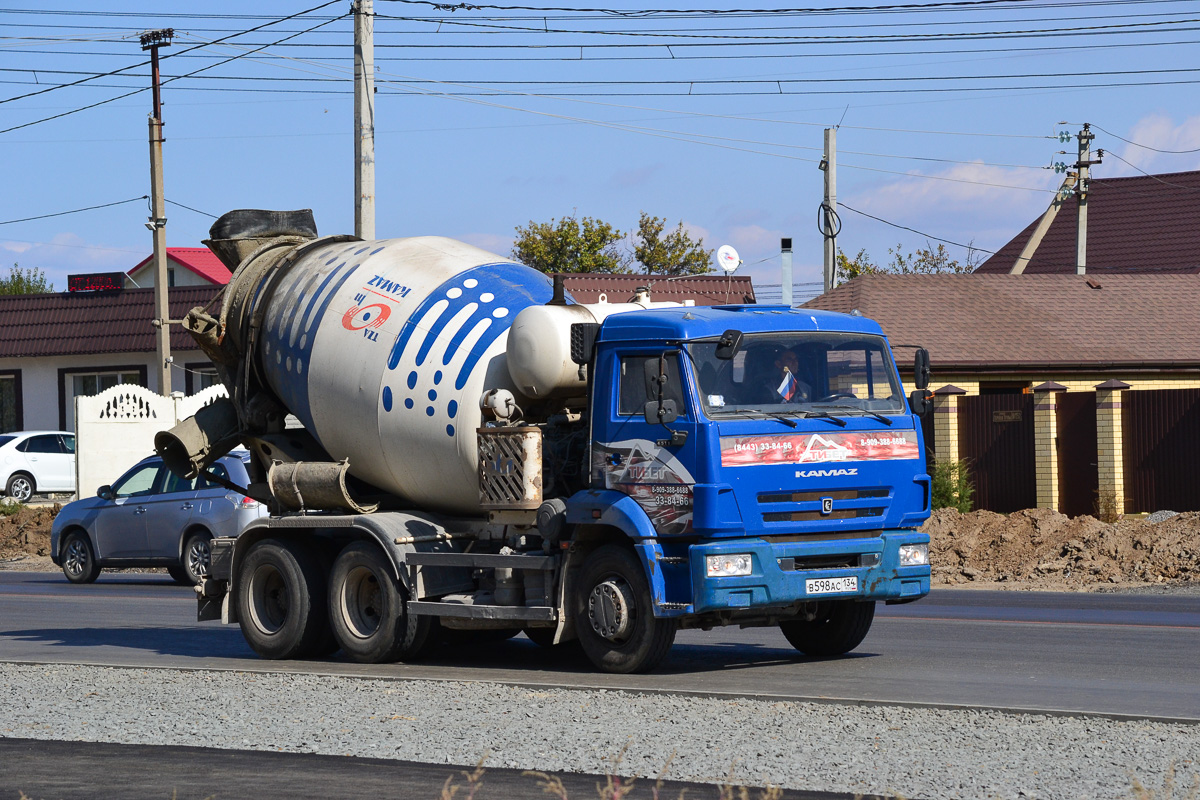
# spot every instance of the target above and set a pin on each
(1108, 654)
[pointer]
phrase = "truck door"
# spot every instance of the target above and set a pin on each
(650, 460)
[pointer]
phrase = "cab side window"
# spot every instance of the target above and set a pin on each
(636, 387)
(41, 444)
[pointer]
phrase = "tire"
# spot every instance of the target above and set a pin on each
(368, 609)
(281, 600)
(179, 575)
(197, 554)
(457, 636)
(79, 559)
(839, 627)
(20, 487)
(614, 614)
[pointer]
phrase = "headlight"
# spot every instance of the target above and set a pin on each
(914, 555)
(728, 566)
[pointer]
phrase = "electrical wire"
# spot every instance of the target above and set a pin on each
(914, 230)
(189, 208)
(75, 210)
(1147, 174)
(1144, 146)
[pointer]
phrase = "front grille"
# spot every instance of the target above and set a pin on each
(815, 497)
(820, 562)
(809, 516)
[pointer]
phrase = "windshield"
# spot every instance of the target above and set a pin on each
(799, 373)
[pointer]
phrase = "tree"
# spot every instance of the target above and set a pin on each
(926, 261)
(25, 281)
(674, 254)
(570, 245)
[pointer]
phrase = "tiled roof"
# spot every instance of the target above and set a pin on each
(199, 260)
(90, 323)
(1005, 322)
(1142, 224)
(706, 290)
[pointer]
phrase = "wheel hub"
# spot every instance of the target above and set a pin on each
(609, 609)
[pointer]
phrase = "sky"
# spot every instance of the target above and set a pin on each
(948, 119)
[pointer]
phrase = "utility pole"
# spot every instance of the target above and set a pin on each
(364, 119)
(829, 207)
(785, 257)
(1085, 155)
(152, 40)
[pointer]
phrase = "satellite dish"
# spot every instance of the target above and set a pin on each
(727, 259)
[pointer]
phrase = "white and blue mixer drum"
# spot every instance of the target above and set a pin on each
(383, 350)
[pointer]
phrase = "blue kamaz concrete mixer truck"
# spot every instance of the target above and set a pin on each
(453, 448)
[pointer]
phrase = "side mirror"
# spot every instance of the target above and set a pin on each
(729, 344)
(660, 413)
(920, 401)
(105, 492)
(921, 368)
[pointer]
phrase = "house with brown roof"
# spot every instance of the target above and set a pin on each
(1016, 360)
(1144, 224)
(56, 346)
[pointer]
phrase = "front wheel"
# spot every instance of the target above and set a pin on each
(614, 614)
(369, 609)
(838, 627)
(20, 487)
(281, 600)
(79, 559)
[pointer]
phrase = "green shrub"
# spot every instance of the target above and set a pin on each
(952, 486)
(9, 507)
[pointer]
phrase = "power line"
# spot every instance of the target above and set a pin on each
(914, 230)
(1147, 174)
(74, 210)
(946, 4)
(1144, 146)
(189, 208)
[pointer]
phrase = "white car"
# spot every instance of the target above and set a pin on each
(36, 462)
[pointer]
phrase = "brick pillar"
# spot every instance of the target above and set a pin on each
(945, 422)
(1045, 442)
(1109, 450)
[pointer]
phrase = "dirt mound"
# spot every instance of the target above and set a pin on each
(27, 533)
(1040, 548)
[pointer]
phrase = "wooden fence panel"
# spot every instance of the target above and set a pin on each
(1161, 433)
(996, 437)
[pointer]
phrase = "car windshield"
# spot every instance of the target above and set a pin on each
(799, 374)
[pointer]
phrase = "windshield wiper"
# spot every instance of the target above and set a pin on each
(825, 415)
(868, 412)
(784, 418)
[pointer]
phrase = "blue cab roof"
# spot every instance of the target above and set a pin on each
(701, 322)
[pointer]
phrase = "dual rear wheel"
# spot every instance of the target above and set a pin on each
(290, 608)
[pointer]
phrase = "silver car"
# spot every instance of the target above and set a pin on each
(152, 518)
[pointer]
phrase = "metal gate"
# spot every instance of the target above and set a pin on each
(1161, 431)
(927, 431)
(1078, 473)
(995, 434)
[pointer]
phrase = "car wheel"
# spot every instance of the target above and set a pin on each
(281, 600)
(614, 614)
(838, 627)
(368, 609)
(20, 487)
(79, 559)
(197, 553)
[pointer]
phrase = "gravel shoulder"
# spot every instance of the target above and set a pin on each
(912, 752)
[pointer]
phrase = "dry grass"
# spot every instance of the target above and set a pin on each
(1169, 788)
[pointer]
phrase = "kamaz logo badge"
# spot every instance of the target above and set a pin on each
(826, 505)
(827, 473)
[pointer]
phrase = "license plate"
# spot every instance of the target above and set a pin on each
(831, 585)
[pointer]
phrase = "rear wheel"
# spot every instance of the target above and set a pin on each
(368, 608)
(281, 600)
(79, 559)
(197, 553)
(614, 614)
(20, 487)
(838, 627)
